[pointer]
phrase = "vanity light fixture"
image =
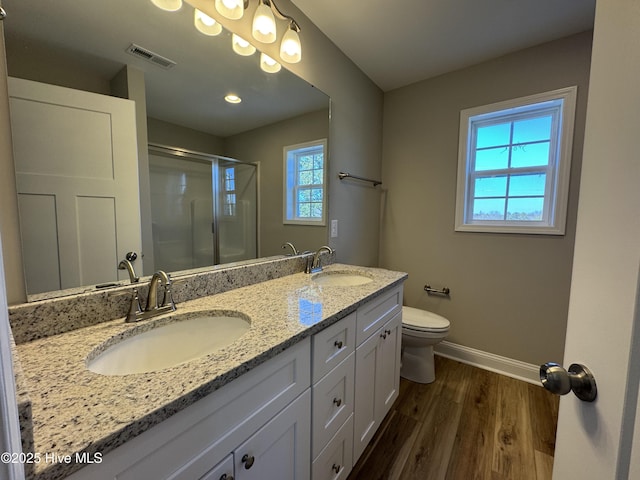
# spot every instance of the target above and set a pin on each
(205, 24)
(231, 9)
(232, 98)
(168, 5)
(241, 46)
(290, 48)
(268, 64)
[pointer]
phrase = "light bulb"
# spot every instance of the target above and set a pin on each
(232, 98)
(205, 24)
(168, 5)
(264, 24)
(268, 64)
(231, 9)
(290, 48)
(241, 46)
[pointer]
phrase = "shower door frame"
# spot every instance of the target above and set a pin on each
(186, 153)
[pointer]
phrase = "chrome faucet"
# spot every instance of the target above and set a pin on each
(290, 245)
(126, 265)
(313, 266)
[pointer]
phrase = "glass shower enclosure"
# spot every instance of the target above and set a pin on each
(203, 209)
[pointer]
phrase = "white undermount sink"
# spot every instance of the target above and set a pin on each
(341, 279)
(178, 339)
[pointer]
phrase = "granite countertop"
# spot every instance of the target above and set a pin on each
(75, 410)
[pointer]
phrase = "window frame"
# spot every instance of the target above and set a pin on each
(557, 170)
(291, 187)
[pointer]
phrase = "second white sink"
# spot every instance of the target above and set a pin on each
(170, 344)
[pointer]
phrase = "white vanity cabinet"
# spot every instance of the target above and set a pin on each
(379, 334)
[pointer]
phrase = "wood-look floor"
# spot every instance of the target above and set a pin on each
(468, 424)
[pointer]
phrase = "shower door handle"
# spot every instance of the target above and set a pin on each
(578, 379)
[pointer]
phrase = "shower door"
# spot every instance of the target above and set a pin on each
(203, 209)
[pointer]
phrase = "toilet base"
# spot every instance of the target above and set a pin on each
(417, 364)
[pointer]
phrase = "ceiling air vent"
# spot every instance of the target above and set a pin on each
(149, 56)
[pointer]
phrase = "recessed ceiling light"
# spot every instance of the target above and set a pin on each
(231, 98)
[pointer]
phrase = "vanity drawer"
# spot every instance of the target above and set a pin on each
(332, 403)
(337, 455)
(332, 345)
(373, 314)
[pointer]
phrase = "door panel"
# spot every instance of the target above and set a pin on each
(79, 150)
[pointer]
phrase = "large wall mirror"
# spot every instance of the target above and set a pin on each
(195, 138)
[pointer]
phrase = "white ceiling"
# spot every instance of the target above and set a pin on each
(399, 42)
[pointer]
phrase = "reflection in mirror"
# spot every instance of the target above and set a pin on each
(80, 46)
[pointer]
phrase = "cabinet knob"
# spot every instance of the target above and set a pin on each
(248, 460)
(338, 343)
(388, 332)
(336, 468)
(337, 401)
(226, 477)
(383, 335)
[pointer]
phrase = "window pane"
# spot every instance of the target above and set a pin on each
(317, 177)
(305, 177)
(316, 210)
(527, 185)
(304, 195)
(318, 161)
(304, 209)
(488, 209)
(492, 158)
(491, 187)
(305, 162)
(525, 209)
(316, 195)
(532, 155)
(493, 135)
(532, 130)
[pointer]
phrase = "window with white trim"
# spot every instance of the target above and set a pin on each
(229, 194)
(304, 183)
(514, 162)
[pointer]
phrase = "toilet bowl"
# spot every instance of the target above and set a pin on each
(421, 330)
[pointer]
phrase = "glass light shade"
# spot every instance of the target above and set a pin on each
(205, 24)
(168, 5)
(241, 46)
(268, 64)
(231, 9)
(290, 48)
(264, 24)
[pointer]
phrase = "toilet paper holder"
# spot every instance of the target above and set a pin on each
(443, 291)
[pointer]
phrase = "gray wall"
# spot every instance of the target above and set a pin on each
(265, 146)
(509, 293)
(172, 135)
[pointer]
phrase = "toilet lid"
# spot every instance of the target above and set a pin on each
(417, 319)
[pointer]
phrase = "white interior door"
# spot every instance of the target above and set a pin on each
(596, 440)
(76, 165)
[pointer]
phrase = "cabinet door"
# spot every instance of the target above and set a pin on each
(377, 381)
(281, 449)
(388, 381)
(365, 419)
(222, 471)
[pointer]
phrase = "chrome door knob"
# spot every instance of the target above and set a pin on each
(578, 379)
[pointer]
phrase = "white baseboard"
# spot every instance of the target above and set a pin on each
(489, 361)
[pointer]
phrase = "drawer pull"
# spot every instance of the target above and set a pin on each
(226, 477)
(337, 401)
(336, 468)
(248, 461)
(338, 343)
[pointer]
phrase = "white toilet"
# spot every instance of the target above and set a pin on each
(421, 330)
